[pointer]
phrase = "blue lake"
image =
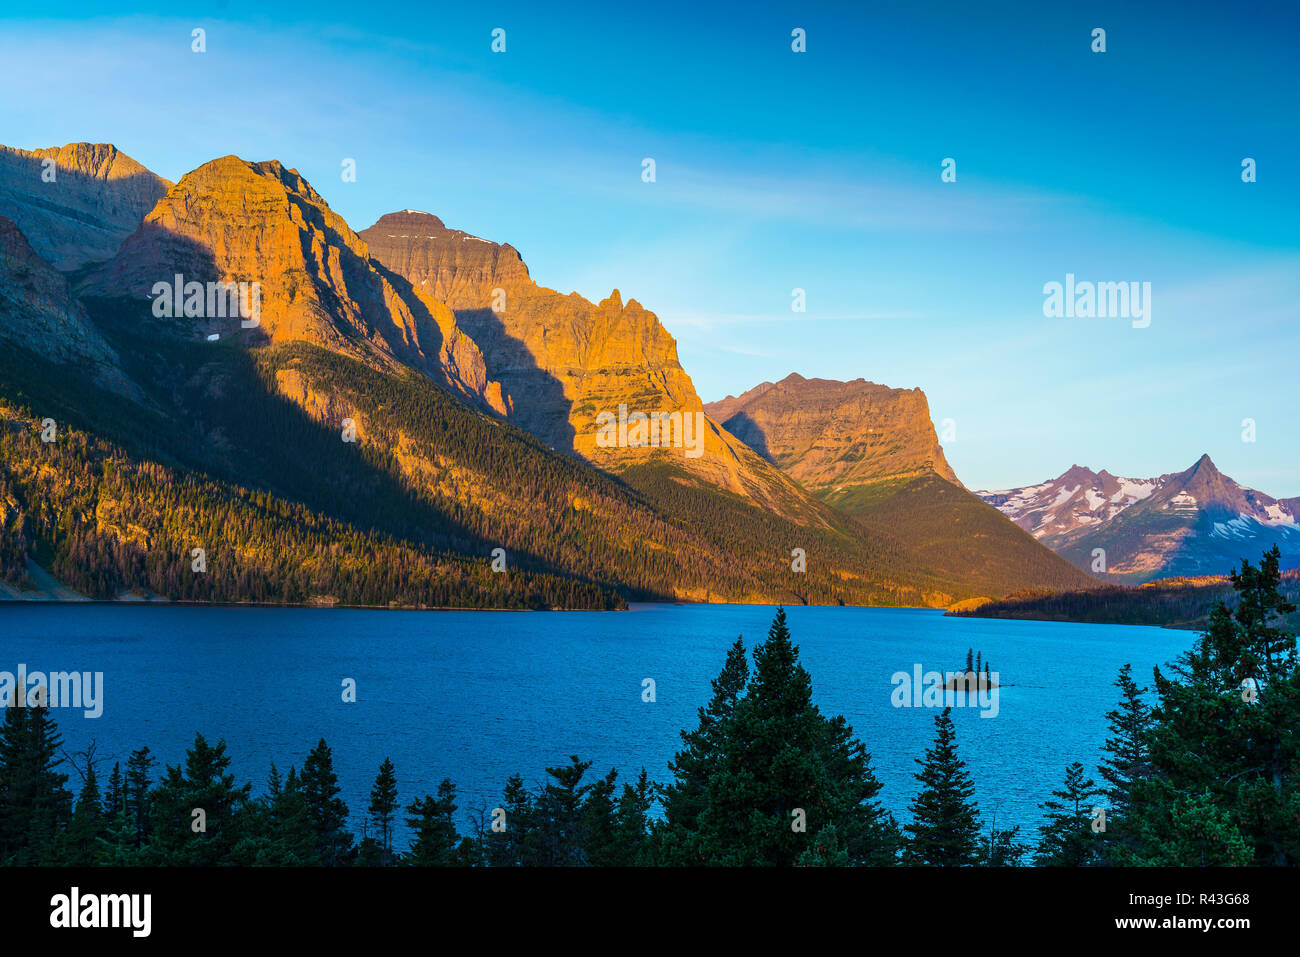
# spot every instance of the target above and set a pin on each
(477, 696)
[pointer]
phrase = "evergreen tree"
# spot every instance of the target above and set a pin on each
(558, 819)
(598, 824)
(1127, 757)
(1204, 835)
(1066, 838)
(769, 773)
(1002, 849)
(34, 802)
(182, 836)
(1223, 750)
(139, 772)
(512, 845)
(114, 794)
(785, 772)
(383, 805)
(944, 831)
(633, 831)
(293, 836)
(432, 822)
(325, 809)
(686, 798)
(81, 845)
(825, 850)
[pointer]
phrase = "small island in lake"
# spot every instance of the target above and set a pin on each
(977, 676)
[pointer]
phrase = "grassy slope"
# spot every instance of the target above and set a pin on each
(958, 536)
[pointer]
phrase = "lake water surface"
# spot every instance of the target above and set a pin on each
(476, 696)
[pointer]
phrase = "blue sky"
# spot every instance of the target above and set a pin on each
(777, 171)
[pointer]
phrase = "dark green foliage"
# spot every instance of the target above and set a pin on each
(1002, 849)
(79, 844)
(383, 805)
(509, 842)
(1126, 759)
(1066, 838)
(687, 796)
(326, 811)
(178, 835)
(432, 822)
(114, 795)
(289, 822)
(1225, 786)
(558, 822)
(944, 831)
(765, 773)
(139, 768)
(34, 803)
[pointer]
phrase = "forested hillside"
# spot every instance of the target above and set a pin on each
(245, 449)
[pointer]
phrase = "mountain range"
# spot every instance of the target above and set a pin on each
(1191, 523)
(407, 401)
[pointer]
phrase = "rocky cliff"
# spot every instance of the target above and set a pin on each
(39, 313)
(827, 434)
(233, 221)
(78, 209)
(566, 360)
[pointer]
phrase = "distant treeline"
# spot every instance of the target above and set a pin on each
(1207, 776)
(1171, 602)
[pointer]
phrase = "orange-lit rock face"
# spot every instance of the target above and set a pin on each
(826, 434)
(76, 203)
(236, 221)
(564, 360)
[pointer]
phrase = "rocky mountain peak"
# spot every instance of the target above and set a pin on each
(76, 203)
(575, 360)
(1197, 521)
(827, 434)
(236, 221)
(451, 265)
(412, 219)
